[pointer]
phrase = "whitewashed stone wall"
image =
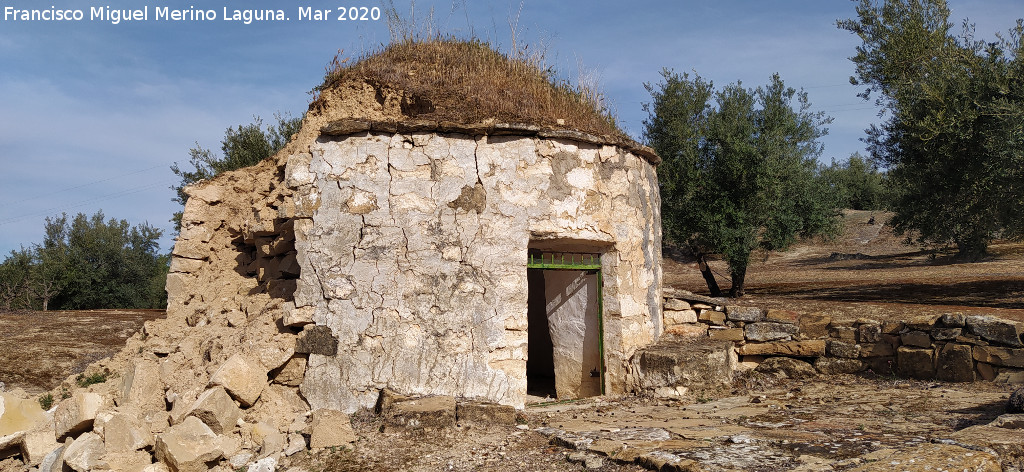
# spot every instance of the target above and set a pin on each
(415, 257)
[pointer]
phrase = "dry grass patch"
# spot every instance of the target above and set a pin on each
(467, 81)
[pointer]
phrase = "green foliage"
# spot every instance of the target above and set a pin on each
(739, 170)
(241, 147)
(86, 380)
(84, 263)
(46, 401)
(954, 137)
(858, 185)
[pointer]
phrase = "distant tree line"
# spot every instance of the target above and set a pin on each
(857, 184)
(84, 263)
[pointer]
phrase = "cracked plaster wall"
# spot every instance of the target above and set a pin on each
(415, 257)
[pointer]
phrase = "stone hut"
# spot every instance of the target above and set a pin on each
(419, 244)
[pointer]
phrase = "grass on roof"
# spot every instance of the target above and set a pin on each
(467, 81)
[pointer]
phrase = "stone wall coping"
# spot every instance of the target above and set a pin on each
(349, 126)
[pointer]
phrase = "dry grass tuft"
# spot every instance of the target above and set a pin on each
(467, 81)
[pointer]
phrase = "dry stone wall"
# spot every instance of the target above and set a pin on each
(950, 347)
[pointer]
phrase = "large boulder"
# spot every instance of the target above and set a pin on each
(996, 330)
(76, 414)
(189, 446)
(85, 453)
(216, 409)
(700, 364)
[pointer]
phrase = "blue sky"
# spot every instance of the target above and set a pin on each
(92, 114)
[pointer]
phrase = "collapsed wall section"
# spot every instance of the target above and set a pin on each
(415, 257)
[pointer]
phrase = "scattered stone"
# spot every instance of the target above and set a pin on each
(330, 428)
(769, 331)
(1010, 376)
(128, 461)
(243, 379)
(292, 372)
(53, 461)
(748, 314)
(985, 371)
(216, 409)
(670, 392)
(76, 414)
(85, 453)
(996, 330)
(269, 438)
(123, 431)
(36, 444)
(786, 367)
(296, 444)
(142, 386)
(188, 446)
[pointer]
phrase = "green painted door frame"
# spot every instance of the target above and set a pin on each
(589, 263)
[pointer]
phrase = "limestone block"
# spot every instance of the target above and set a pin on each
(953, 320)
(688, 330)
(204, 191)
(266, 464)
(18, 414)
(128, 461)
(893, 327)
(783, 316)
(85, 453)
(915, 363)
(676, 304)
(946, 334)
(769, 331)
(242, 378)
(1000, 356)
(674, 317)
(809, 348)
(926, 457)
(955, 363)
(427, 413)
(832, 365)
(846, 334)
(877, 349)
(727, 334)
(216, 409)
(869, 333)
(188, 446)
(123, 431)
(330, 428)
(814, 325)
(916, 339)
(297, 316)
(698, 363)
(922, 322)
(744, 313)
(296, 170)
(182, 264)
(191, 249)
(142, 386)
(76, 414)
(786, 367)
(296, 444)
(485, 413)
(712, 317)
(1009, 376)
(292, 372)
(985, 371)
(36, 444)
(842, 349)
(1010, 420)
(996, 330)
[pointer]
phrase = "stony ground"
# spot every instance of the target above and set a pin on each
(765, 424)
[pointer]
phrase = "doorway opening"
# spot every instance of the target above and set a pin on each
(565, 358)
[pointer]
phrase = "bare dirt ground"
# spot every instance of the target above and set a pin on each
(41, 349)
(869, 272)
